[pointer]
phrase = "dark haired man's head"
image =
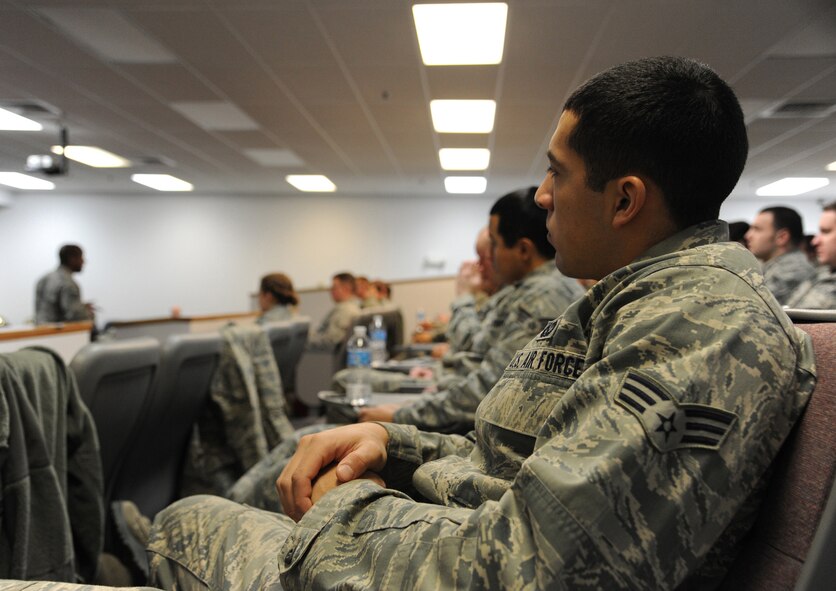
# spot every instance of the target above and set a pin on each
(518, 237)
(774, 231)
(641, 151)
(672, 120)
(343, 287)
(72, 257)
(825, 241)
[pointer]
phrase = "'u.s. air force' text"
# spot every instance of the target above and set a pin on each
(549, 360)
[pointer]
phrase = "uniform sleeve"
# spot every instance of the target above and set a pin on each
(605, 500)
(69, 300)
(465, 322)
(454, 409)
(335, 330)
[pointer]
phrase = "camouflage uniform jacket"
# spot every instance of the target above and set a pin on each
(467, 312)
(52, 517)
(244, 417)
(334, 328)
(616, 451)
(518, 315)
(816, 294)
(58, 298)
(785, 273)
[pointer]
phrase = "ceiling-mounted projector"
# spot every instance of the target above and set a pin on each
(49, 164)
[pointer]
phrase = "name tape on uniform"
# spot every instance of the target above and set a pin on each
(548, 360)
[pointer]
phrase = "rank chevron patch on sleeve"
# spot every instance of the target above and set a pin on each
(669, 424)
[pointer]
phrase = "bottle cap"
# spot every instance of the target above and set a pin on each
(359, 330)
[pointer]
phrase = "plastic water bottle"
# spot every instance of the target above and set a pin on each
(358, 390)
(378, 337)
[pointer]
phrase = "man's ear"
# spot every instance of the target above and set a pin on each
(782, 237)
(629, 195)
(526, 247)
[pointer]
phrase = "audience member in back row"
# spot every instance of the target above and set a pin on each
(333, 329)
(625, 446)
(276, 298)
(774, 238)
(366, 292)
(820, 293)
(57, 295)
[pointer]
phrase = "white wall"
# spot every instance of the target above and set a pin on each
(206, 254)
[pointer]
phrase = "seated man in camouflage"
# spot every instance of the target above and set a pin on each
(775, 238)
(623, 447)
(334, 328)
(819, 293)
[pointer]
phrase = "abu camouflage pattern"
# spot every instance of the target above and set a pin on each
(816, 294)
(227, 546)
(542, 295)
(786, 272)
(244, 417)
(560, 486)
(467, 312)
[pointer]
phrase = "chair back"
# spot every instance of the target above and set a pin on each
(301, 330)
(150, 473)
(779, 546)
(115, 379)
(280, 335)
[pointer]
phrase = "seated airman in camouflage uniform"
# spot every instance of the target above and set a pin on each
(334, 328)
(623, 447)
(774, 238)
(820, 293)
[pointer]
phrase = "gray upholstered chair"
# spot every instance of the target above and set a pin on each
(150, 472)
(115, 380)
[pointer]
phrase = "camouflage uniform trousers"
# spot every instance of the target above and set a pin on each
(206, 542)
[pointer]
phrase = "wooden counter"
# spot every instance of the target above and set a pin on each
(65, 339)
(162, 328)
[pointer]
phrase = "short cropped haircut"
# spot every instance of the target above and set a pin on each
(669, 118)
(346, 278)
(69, 252)
(830, 207)
(280, 287)
(785, 218)
(520, 217)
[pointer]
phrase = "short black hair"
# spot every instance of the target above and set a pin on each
(670, 118)
(520, 217)
(830, 206)
(346, 277)
(69, 252)
(786, 218)
(737, 231)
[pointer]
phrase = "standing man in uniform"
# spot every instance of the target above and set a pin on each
(333, 329)
(623, 447)
(57, 295)
(774, 238)
(820, 293)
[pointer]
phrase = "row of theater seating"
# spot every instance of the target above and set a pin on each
(145, 398)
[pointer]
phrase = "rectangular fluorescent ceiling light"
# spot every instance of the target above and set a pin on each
(463, 116)
(464, 158)
(92, 156)
(162, 182)
(316, 183)
(13, 122)
(832, 166)
(790, 186)
(215, 115)
(274, 157)
(109, 35)
(461, 34)
(465, 184)
(24, 181)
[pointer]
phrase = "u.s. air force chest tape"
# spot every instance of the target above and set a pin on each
(669, 424)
